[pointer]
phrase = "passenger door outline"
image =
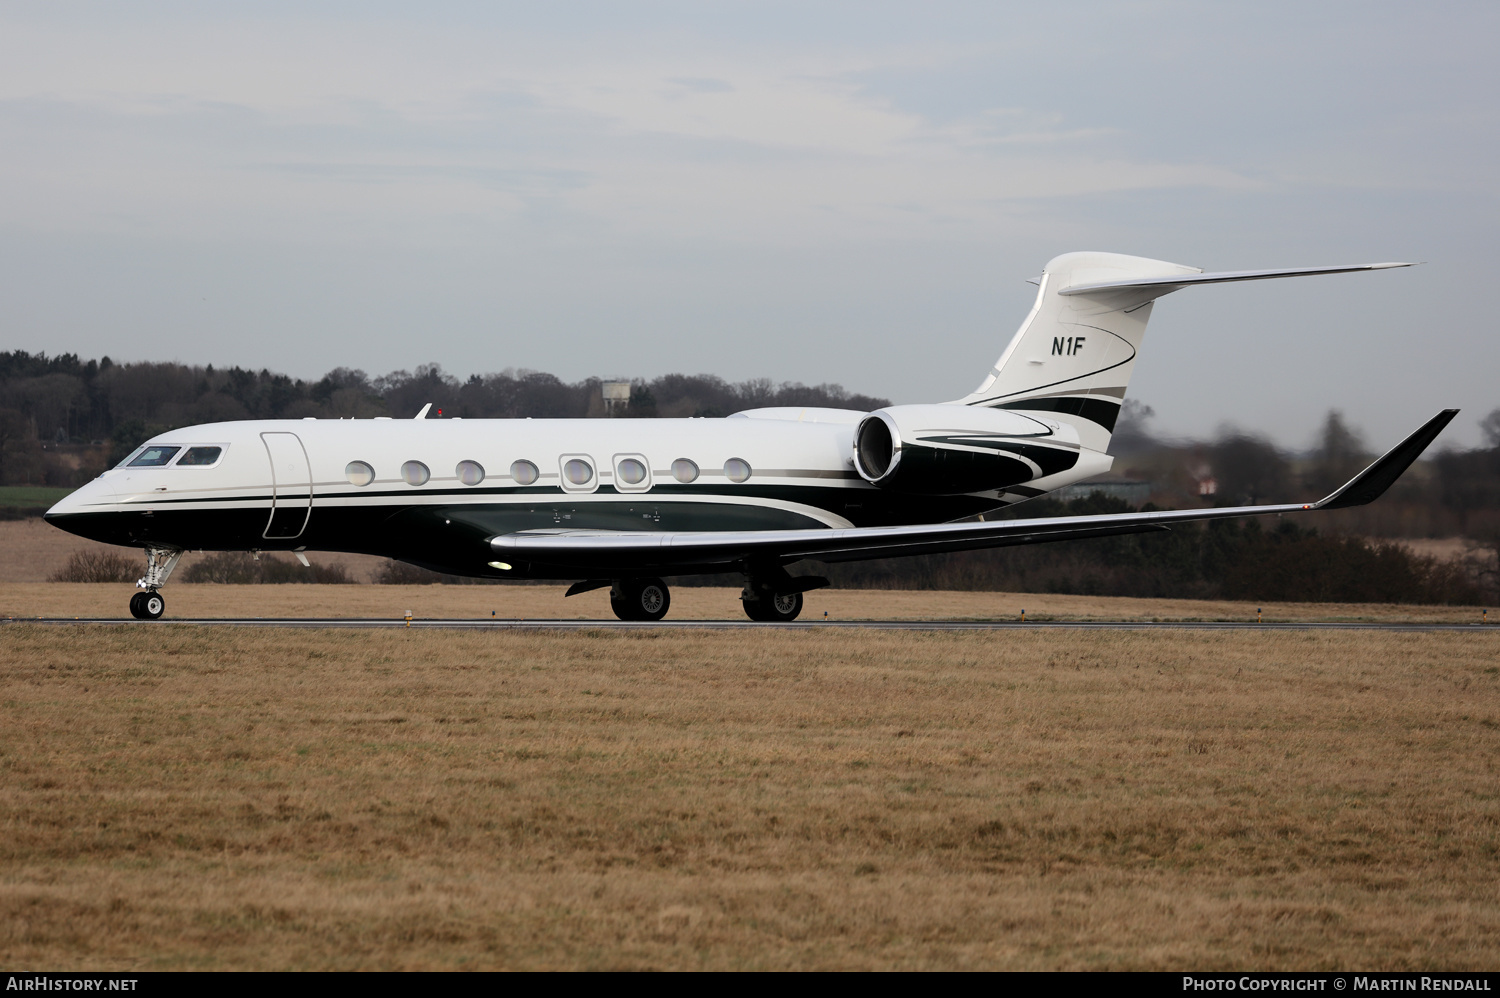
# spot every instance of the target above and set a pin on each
(291, 473)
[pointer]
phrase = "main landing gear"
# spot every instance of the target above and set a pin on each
(150, 605)
(772, 596)
(640, 599)
(776, 608)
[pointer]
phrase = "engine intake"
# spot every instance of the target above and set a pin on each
(957, 449)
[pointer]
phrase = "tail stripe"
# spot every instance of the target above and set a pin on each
(1077, 377)
(1096, 410)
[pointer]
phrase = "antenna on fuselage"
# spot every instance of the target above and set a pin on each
(423, 413)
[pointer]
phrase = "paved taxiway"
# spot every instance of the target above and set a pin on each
(501, 624)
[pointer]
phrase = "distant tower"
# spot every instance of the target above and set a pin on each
(616, 396)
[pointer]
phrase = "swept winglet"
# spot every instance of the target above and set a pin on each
(1370, 484)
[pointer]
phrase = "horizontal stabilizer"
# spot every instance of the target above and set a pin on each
(1176, 281)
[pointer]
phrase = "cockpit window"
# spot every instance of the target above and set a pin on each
(200, 455)
(130, 457)
(153, 456)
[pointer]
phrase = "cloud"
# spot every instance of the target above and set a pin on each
(844, 176)
(702, 85)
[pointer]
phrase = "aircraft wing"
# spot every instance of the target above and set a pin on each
(686, 551)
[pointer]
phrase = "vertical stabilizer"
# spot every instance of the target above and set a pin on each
(1073, 356)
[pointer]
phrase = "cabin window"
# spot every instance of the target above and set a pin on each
(631, 474)
(199, 456)
(415, 473)
(737, 470)
(154, 456)
(359, 473)
(578, 473)
(631, 471)
(684, 471)
(470, 472)
(524, 473)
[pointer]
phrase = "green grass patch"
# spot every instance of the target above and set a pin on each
(31, 495)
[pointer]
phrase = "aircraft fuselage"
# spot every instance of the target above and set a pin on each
(438, 489)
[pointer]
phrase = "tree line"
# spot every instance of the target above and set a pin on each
(62, 420)
(1280, 559)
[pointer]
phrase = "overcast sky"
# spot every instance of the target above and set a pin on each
(805, 192)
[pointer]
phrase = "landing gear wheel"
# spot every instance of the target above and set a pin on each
(640, 599)
(774, 609)
(147, 606)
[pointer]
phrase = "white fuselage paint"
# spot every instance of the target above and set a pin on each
(778, 452)
(800, 461)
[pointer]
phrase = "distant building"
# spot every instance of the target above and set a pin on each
(616, 396)
(1134, 492)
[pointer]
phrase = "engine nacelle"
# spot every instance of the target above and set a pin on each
(955, 449)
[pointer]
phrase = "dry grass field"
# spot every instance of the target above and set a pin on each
(32, 549)
(176, 797)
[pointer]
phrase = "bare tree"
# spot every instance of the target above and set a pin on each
(1490, 426)
(1339, 456)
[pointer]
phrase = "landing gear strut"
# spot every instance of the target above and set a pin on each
(640, 599)
(150, 605)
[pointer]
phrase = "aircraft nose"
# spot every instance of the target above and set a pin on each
(77, 507)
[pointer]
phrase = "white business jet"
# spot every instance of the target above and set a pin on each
(625, 502)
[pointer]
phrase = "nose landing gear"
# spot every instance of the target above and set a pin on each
(147, 606)
(150, 605)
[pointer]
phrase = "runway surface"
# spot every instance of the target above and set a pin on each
(501, 624)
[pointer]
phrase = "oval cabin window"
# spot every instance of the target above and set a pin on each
(631, 471)
(578, 472)
(470, 472)
(684, 470)
(737, 470)
(359, 473)
(524, 473)
(415, 473)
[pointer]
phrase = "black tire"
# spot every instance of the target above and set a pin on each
(783, 608)
(774, 609)
(147, 606)
(641, 599)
